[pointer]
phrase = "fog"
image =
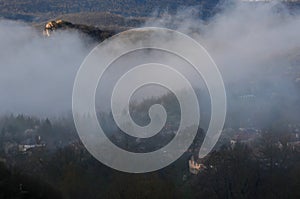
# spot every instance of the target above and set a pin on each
(37, 73)
(242, 37)
(256, 47)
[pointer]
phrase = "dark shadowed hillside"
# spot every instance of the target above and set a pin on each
(94, 33)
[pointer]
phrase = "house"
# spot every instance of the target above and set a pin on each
(195, 167)
(26, 147)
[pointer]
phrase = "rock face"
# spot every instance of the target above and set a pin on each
(93, 32)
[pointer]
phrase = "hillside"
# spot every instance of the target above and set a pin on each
(103, 20)
(93, 32)
(41, 10)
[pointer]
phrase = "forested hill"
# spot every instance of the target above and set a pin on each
(31, 10)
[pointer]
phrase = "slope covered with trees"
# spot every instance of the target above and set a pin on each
(31, 10)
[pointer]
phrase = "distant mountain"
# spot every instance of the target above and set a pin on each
(41, 10)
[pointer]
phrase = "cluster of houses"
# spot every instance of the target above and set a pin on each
(294, 142)
(30, 141)
(248, 136)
